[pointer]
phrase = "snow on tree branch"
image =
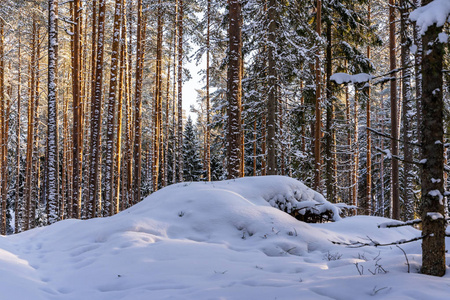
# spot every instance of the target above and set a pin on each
(435, 13)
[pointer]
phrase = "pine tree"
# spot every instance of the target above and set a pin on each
(192, 163)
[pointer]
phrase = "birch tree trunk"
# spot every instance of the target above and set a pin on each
(52, 127)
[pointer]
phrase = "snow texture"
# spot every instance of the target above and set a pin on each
(218, 240)
(434, 13)
(341, 78)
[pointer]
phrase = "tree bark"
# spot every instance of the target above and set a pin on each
(138, 105)
(208, 119)
(111, 114)
(408, 197)
(94, 204)
(432, 127)
(329, 162)
(234, 91)
(2, 124)
(394, 112)
(18, 209)
(180, 90)
(369, 139)
(52, 126)
(272, 101)
(318, 123)
(77, 142)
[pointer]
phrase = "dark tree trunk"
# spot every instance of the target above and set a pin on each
(433, 230)
(394, 118)
(234, 91)
(272, 101)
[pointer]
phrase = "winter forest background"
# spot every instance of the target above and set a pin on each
(328, 92)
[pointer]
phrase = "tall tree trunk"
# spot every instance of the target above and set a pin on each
(234, 90)
(110, 122)
(157, 101)
(123, 93)
(418, 74)
(408, 197)
(355, 153)
(30, 129)
(94, 204)
(208, 119)
(318, 123)
(369, 140)
(174, 98)
(35, 179)
(394, 119)
(138, 105)
(180, 90)
(433, 230)
(2, 124)
(18, 209)
(329, 121)
(52, 127)
(272, 101)
(77, 142)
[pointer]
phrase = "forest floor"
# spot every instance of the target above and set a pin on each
(219, 240)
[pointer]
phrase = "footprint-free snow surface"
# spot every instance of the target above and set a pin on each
(219, 240)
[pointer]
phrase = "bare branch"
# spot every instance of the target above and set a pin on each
(373, 243)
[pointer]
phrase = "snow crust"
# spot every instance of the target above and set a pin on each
(219, 240)
(434, 13)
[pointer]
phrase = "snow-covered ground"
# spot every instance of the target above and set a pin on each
(219, 240)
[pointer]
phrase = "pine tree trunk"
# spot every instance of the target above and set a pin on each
(174, 99)
(318, 123)
(138, 105)
(418, 75)
(394, 119)
(234, 91)
(329, 121)
(110, 122)
(433, 226)
(18, 209)
(30, 129)
(272, 101)
(208, 119)
(157, 101)
(165, 151)
(369, 140)
(180, 90)
(2, 124)
(77, 142)
(122, 93)
(94, 201)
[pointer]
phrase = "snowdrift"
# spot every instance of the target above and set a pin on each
(219, 240)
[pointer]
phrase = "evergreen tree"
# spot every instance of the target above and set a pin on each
(192, 163)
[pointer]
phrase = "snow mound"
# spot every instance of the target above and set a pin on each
(219, 240)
